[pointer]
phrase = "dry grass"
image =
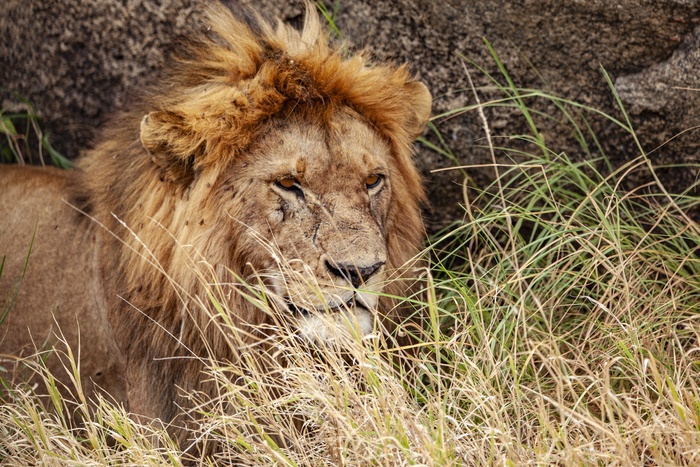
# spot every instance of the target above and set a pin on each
(562, 328)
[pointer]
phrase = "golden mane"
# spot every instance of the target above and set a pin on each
(233, 78)
(215, 100)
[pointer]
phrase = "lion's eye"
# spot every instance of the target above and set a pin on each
(373, 181)
(288, 183)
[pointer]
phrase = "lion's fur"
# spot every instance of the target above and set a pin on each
(167, 191)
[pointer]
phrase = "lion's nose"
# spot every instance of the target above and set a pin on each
(356, 275)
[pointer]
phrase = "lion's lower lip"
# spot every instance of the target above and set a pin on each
(300, 311)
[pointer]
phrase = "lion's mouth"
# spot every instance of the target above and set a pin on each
(317, 324)
(352, 303)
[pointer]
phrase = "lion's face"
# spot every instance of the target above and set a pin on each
(317, 198)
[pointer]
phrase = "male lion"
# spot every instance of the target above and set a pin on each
(264, 153)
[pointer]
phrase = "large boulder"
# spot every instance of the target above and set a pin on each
(79, 61)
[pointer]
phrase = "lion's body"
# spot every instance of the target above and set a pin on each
(267, 154)
(61, 275)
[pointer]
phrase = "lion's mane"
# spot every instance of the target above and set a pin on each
(159, 227)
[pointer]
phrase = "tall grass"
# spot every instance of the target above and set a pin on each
(562, 327)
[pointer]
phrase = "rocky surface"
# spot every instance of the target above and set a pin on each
(79, 61)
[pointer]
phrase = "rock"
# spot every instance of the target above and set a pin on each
(79, 61)
(664, 99)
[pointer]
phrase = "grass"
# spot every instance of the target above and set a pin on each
(22, 139)
(562, 328)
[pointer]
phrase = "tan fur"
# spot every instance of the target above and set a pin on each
(186, 183)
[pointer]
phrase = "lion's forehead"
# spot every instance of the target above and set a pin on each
(345, 149)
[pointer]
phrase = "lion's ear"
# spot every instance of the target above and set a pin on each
(170, 144)
(420, 103)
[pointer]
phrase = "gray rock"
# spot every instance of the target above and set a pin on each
(79, 61)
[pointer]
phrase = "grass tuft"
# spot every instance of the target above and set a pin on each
(22, 137)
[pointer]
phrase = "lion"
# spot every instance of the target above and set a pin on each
(264, 153)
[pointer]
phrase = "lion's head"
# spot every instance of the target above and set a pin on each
(265, 153)
(274, 154)
(318, 196)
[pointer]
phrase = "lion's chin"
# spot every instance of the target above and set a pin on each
(323, 327)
